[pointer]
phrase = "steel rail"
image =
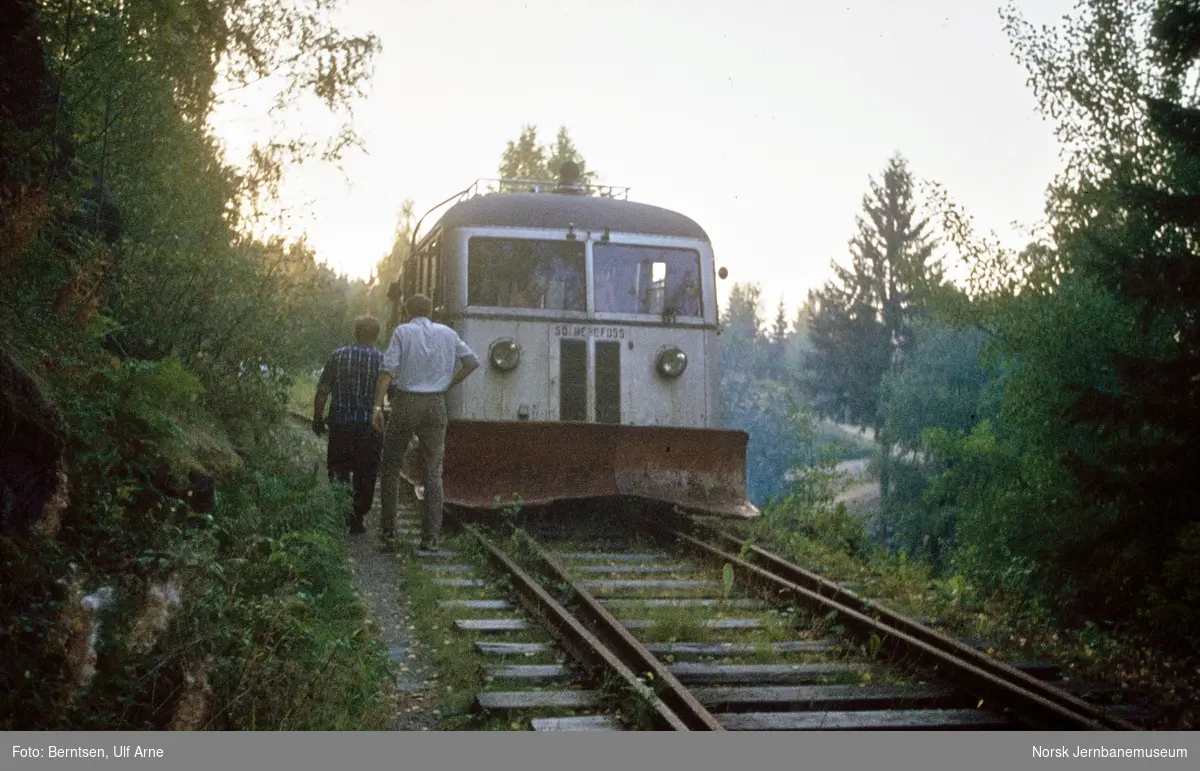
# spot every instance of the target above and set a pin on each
(585, 647)
(942, 663)
(926, 634)
(672, 692)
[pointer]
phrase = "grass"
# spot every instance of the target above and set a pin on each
(459, 665)
(625, 703)
(675, 624)
(269, 603)
(347, 682)
(834, 544)
(302, 393)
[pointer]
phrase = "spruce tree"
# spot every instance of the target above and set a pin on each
(862, 321)
(865, 314)
(778, 341)
(525, 158)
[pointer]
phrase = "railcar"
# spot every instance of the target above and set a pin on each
(595, 319)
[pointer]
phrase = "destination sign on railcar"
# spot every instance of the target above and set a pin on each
(584, 330)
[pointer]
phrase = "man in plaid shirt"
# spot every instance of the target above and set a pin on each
(354, 448)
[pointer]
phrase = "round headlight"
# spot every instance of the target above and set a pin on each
(671, 362)
(504, 354)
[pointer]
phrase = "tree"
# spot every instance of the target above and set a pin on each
(847, 359)
(1135, 231)
(778, 337)
(779, 327)
(743, 350)
(524, 158)
(798, 348)
(564, 151)
(1080, 480)
(863, 318)
(940, 386)
(862, 321)
(752, 399)
(387, 270)
(133, 295)
(943, 386)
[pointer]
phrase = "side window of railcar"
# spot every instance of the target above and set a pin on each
(646, 279)
(526, 273)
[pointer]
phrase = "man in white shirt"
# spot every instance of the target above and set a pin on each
(422, 363)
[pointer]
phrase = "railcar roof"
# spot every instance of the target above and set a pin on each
(558, 210)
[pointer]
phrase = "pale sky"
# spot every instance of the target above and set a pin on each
(761, 120)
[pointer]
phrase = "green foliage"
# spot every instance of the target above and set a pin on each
(525, 158)
(759, 394)
(164, 336)
(1074, 470)
(269, 612)
(942, 385)
(508, 511)
(807, 512)
(1175, 600)
(862, 319)
(387, 270)
(1134, 234)
(274, 609)
(636, 706)
(1005, 532)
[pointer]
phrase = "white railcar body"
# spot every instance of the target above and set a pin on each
(583, 310)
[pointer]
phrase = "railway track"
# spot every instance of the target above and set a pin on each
(1031, 691)
(755, 667)
(546, 670)
(676, 629)
(679, 625)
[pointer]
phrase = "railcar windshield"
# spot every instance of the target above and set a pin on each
(526, 273)
(646, 279)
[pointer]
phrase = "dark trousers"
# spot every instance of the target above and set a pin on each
(354, 459)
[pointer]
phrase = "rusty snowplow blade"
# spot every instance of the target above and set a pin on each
(537, 463)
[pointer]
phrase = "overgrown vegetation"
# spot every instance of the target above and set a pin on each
(186, 569)
(459, 665)
(819, 534)
(1036, 423)
(268, 611)
(169, 561)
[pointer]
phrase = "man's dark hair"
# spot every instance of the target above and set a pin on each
(419, 305)
(366, 329)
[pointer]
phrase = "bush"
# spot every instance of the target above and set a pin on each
(268, 628)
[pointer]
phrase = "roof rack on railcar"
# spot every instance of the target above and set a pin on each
(570, 182)
(492, 186)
